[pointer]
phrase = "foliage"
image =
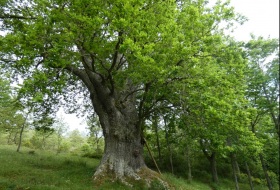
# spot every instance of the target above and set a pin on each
(11, 111)
(263, 96)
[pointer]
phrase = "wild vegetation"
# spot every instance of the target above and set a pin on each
(162, 84)
(46, 170)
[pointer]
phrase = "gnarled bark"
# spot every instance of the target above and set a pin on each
(123, 154)
(120, 121)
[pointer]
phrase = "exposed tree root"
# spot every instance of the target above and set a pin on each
(144, 176)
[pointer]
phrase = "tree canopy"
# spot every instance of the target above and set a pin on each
(52, 44)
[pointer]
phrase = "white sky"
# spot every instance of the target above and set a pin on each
(263, 21)
(263, 18)
(73, 121)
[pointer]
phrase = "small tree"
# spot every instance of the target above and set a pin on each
(76, 140)
(43, 130)
(95, 132)
(61, 128)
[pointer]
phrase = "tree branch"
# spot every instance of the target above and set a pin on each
(117, 47)
(140, 113)
(7, 16)
(121, 62)
(131, 93)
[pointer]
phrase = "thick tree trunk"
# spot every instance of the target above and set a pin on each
(123, 153)
(120, 119)
(121, 157)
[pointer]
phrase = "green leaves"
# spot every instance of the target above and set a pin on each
(11, 117)
(262, 80)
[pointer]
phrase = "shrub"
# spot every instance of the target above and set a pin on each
(157, 185)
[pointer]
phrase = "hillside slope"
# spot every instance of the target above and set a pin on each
(42, 170)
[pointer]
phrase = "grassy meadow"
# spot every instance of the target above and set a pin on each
(43, 170)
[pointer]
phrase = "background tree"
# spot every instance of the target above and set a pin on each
(61, 128)
(76, 139)
(95, 133)
(23, 126)
(43, 130)
(263, 95)
(263, 78)
(11, 112)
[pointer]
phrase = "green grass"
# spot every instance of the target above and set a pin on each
(44, 170)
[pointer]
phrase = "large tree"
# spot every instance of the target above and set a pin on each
(115, 54)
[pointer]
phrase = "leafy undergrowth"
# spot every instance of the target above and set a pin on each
(42, 170)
